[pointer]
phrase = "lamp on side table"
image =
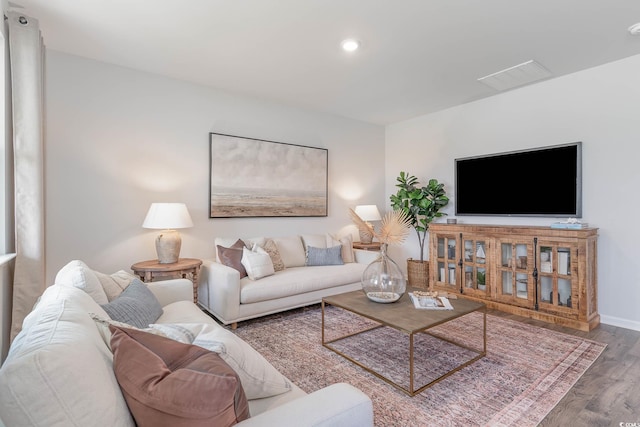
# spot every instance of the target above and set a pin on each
(367, 213)
(168, 217)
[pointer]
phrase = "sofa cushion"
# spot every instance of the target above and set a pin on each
(259, 378)
(185, 312)
(59, 371)
(232, 257)
(315, 240)
(324, 256)
(170, 383)
(136, 306)
(272, 249)
(77, 274)
(252, 241)
(298, 280)
(114, 284)
(347, 246)
(257, 263)
(291, 251)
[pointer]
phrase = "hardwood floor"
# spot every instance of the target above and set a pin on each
(608, 394)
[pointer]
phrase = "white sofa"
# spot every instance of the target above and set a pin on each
(59, 370)
(232, 299)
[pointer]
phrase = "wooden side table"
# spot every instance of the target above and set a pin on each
(152, 269)
(373, 246)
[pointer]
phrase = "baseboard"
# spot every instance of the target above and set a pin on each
(620, 322)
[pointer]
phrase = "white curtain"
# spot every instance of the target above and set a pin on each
(26, 61)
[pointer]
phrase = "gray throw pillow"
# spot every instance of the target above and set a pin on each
(324, 256)
(136, 306)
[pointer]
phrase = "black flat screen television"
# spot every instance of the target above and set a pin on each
(544, 181)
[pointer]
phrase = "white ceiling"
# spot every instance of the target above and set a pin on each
(417, 56)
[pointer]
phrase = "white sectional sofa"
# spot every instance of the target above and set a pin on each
(60, 372)
(231, 299)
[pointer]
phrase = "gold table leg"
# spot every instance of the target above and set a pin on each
(410, 391)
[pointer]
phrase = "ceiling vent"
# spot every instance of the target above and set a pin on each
(518, 75)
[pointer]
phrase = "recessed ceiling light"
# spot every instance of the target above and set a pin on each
(635, 29)
(350, 45)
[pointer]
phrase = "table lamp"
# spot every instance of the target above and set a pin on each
(168, 217)
(367, 213)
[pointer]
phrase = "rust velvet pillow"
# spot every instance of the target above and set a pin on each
(232, 256)
(168, 383)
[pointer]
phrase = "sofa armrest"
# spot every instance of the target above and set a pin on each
(365, 257)
(339, 405)
(219, 290)
(173, 290)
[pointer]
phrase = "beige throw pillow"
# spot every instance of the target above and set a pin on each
(272, 249)
(114, 284)
(291, 251)
(347, 246)
(315, 240)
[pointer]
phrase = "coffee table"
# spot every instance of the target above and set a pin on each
(404, 317)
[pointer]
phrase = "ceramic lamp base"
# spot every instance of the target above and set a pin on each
(365, 238)
(168, 246)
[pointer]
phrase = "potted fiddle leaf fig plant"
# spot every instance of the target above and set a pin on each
(422, 204)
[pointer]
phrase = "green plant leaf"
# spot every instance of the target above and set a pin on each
(422, 204)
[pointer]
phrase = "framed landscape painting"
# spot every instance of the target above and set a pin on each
(257, 178)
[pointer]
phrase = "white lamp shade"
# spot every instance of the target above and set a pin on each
(169, 216)
(368, 212)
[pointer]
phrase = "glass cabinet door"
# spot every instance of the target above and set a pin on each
(475, 266)
(556, 276)
(515, 282)
(446, 262)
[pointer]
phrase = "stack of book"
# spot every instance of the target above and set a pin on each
(430, 303)
(570, 225)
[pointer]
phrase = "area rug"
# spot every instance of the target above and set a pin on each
(526, 372)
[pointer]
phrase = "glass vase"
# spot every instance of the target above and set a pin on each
(382, 280)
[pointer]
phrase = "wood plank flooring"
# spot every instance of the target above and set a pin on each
(608, 394)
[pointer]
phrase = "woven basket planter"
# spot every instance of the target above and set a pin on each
(418, 273)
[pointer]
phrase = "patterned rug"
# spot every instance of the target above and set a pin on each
(526, 371)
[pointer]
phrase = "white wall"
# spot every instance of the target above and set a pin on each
(118, 139)
(601, 108)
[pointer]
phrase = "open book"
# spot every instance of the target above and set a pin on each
(431, 303)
